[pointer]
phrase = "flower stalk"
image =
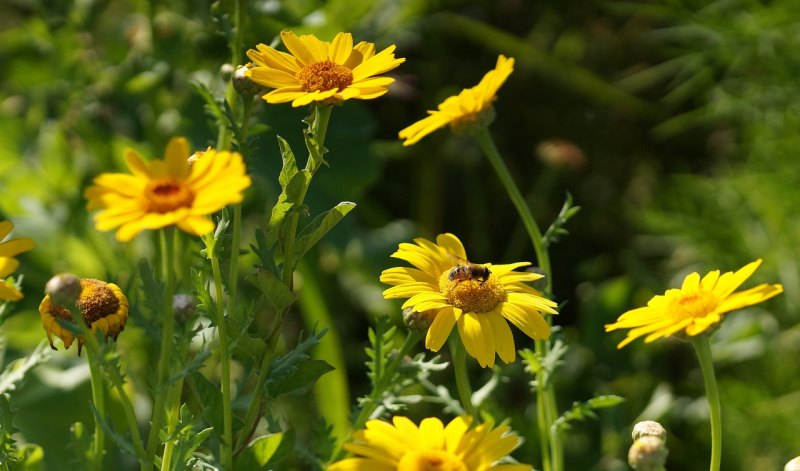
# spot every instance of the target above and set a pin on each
(167, 244)
(703, 350)
(550, 444)
(458, 355)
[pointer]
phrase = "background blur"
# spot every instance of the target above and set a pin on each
(673, 124)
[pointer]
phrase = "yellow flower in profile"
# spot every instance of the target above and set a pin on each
(402, 446)
(168, 192)
(102, 305)
(320, 71)
(697, 306)
(472, 105)
(477, 298)
(8, 264)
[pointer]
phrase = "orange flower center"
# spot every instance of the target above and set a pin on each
(693, 305)
(472, 294)
(96, 301)
(430, 460)
(167, 194)
(325, 75)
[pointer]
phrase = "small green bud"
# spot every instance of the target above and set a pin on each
(243, 84)
(64, 289)
(648, 453)
(184, 306)
(416, 321)
(649, 428)
(226, 71)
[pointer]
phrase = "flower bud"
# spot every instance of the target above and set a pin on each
(64, 289)
(184, 306)
(243, 84)
(793, 465)
(648, 453)
(416, 321)
(649, 428)
(226, 71)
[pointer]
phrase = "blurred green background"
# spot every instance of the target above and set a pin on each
(673, 124)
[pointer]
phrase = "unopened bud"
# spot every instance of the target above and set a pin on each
(417, 321)
(64, 289)
(793, 465)
(648, 453)
(243, 84)
(184, 306)
(226, 71)
(649, 428)
(561, 153)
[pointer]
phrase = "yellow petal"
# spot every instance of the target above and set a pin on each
(440, 329)
(476, 334)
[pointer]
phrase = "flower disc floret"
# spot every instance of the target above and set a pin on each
(316, 71)
(102, 306)
(694, 308)
(472, 295)
(480, 308)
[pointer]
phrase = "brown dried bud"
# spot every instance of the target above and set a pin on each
(64, 289)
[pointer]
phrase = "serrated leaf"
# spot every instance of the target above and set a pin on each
(211, 405)
(584, 410)
(265, 451)
(281, 376)
(16, 370)
(299, 379)
(313, 232)
(275, 291)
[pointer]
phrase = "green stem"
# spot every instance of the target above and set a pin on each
(226, 447)
(369, 406)
(98, 398)
(173, 413)
(703, 349)
(459, 356)
(167, 330)
(130, 417)
(319, 131)
(545, 394)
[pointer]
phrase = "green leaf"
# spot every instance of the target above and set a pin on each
(289, 168)
(313, 232)
(295, 372)
(211, 404)
(299, 379)
(15, 371)
(287, 202)
(277, 294)
(584, 410)
(265, 451)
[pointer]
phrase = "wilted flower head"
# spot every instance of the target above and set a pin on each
(321, 72)
(695, 307)
(402, 445)
(102, 306)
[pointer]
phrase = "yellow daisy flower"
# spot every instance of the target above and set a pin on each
(165, 192)
(8, 264)
(695, 307)
(402, 446)
(472, 105)
(320, 71)
(478, 298)
(102, 305)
